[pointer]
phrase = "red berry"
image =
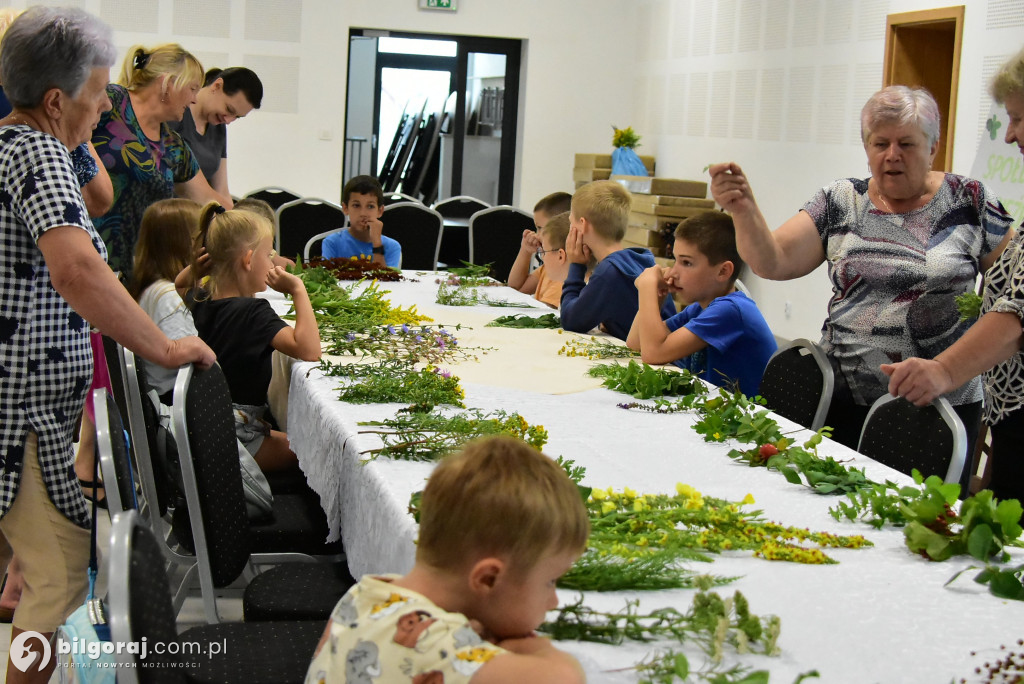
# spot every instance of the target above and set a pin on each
(768, 450)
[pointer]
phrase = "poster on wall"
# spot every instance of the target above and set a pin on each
(1001, 166)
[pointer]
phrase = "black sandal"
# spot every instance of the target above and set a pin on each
(96, 487)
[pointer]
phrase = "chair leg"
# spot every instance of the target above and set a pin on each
(980, 480)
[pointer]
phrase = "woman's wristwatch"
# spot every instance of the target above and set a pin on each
(378, 250)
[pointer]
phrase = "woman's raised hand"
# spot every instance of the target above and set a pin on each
(729, 187)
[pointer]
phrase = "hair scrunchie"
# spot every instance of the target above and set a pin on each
(141, 59)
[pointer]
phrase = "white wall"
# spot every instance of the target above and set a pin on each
(777, 86)
(576, 66)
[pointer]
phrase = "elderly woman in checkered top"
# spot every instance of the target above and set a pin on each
(54, 283)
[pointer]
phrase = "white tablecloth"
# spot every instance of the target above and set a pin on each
(881, 615)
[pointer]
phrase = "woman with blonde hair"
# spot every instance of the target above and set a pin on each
(146, 160)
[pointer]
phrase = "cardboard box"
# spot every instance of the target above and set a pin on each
(646, 203)
(663, 186)
(671, 211)
(588, 175)
(604, 161)
(652, 222)
(642, 236)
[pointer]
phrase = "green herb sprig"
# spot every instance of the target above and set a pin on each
(596, 349)
(969, 305)
(387, 383)
(430, 436)
(467, 295)
(711, 622)
(643, 381)
(548, 320)
(471, 270)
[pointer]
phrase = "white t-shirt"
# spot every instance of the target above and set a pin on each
(161, 302)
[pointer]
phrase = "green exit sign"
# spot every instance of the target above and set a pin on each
(449, 5)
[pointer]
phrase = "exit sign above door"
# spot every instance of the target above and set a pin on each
(448, 5)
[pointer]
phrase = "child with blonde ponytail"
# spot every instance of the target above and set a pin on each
(244, 330)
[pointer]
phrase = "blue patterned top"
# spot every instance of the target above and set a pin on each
(142, 171)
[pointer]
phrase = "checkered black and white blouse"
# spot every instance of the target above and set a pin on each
(45, 357)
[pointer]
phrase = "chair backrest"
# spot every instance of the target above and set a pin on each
(299, 220)
(460, 206)
(798, 383)
(158, 488)
(418, 230)
(930, 438)
(114, 456)
(396, 197)
(495, 236)
(115, 366)
(139, 602)
(274, 196)
(204, 429)
(314, 245)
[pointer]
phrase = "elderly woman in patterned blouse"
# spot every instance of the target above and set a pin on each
(53, 279)
(993, 344)
(900, 246)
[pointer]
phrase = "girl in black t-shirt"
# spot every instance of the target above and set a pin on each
(243, 330)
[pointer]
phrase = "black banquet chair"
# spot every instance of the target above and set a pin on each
(139, 607)
(460, 207)
(418, 229)
(395, 197)
(220, 530)
(299, 220)
(274, 196)
(112, 448)
(495, 236)
(903, 436)
(798, 383)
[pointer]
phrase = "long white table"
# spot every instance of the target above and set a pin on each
(881, 615)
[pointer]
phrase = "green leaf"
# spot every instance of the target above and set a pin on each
(980, 543)
(755, 677)
(681, 666)
(1008, 514)
(1006, 585)
(791, 475)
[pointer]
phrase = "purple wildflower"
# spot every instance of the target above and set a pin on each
(405, 329)
(418, 339)
(350, 337)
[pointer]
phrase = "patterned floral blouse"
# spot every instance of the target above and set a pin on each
(142, 171)
(895, 277)
(1004, 293)
(45, 357)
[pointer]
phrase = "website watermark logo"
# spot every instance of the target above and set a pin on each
(23, 658)
(78, 652)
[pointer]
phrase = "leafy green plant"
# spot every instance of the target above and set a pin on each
(643, 381)
(969, 305)
(548, 320)
(430, 436)
(467, 295)
(594, 348)
(625, 137)
(471, 270)
(386, 383)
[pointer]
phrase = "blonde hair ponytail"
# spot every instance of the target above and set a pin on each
(142, 66)
(226, 235)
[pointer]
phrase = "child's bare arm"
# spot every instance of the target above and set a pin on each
(633, 338)
(530, 659)
(185, 280)
(657, 344)
(520, 277)
(303, 341)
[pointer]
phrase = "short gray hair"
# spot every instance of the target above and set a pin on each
(898, 104)
(49, 47)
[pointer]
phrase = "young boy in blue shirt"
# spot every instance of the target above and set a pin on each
(721, 334)
(597, 222)
(500, 522)
(362, 199)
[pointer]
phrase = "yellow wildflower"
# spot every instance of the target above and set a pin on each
(748, 499)
(608, 507)
(597, 495)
